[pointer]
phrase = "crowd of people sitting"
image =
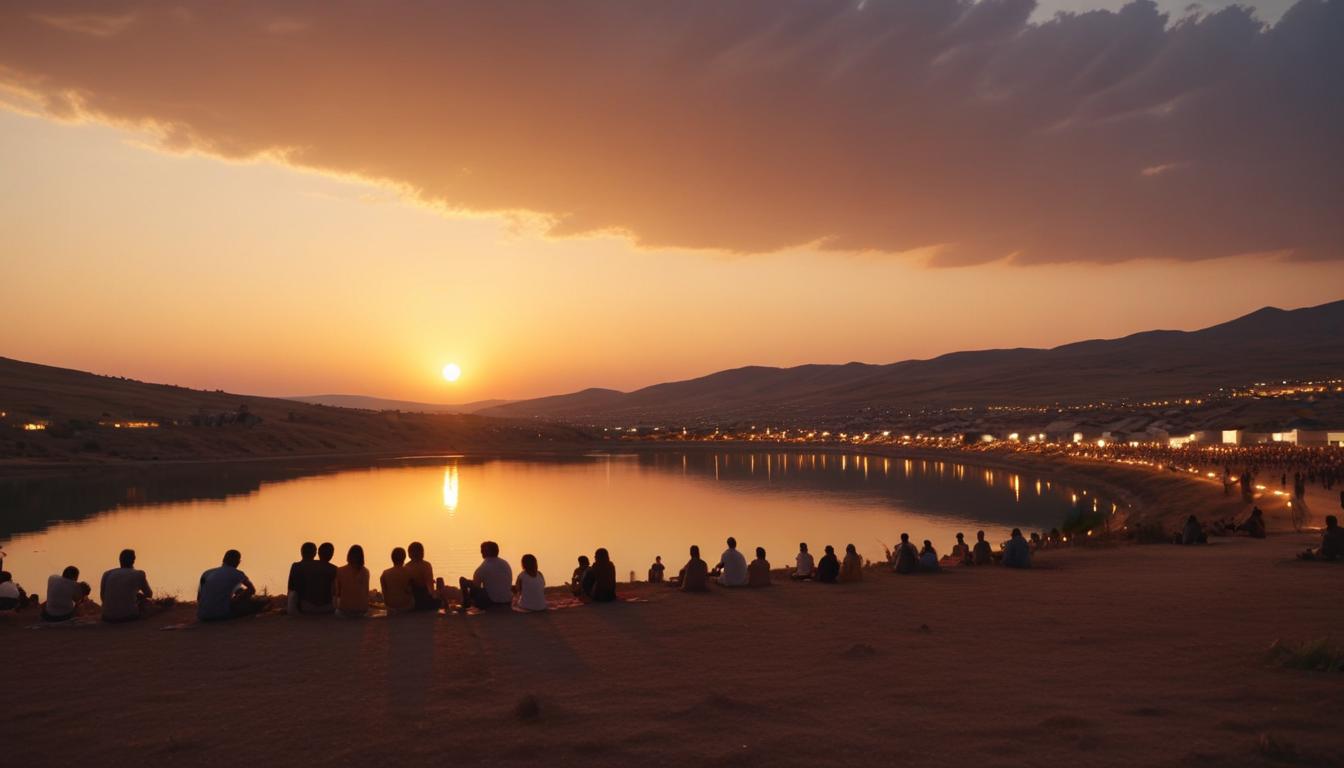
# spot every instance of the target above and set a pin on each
(317, 586)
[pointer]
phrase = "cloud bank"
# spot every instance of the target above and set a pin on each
(752, 125)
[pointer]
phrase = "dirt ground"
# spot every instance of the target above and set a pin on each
(1129, 655)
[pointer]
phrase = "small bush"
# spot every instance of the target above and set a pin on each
(1315, 656)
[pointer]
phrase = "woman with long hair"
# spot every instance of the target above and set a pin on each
(352, 584)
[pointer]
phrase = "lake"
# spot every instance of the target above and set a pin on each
(181, 519)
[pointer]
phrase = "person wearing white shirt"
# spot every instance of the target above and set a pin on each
(805, 564)
(531, 586)
(491, 584)
(732, 566)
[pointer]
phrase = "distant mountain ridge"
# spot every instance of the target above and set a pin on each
(1269, 344)
(366, 403)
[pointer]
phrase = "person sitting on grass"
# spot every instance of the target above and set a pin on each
(982, 554)
(656, 570)
(424, 589)
(65, 593)
(928, 557)
(694, 576)
(576, 581)
(906, 558)
(851, 568)
(828, 569)
(1332, 542)
(492, 583)
(395, 582)
(352, 585)
(600, 585)
(961, 551)
(226, 592)
(1193, 532)
(531, 586)
(803, 564)
(1017, 553)
(732, 567)
(12, 596)
(1254, 525)
(124, 591)
(758, 573)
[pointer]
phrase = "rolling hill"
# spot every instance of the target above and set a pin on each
(364, 402)
(1269, 344)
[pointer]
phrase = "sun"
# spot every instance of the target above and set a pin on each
(452, 372)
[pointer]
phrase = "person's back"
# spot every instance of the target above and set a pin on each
(532, 591)
(982, 554)
(352, 589)
(803, 564)
(604, 578)
(828, 568)
(695, 576)
(215, 595)
(64, 594)
(851, 568)
(734, 564)
(961, 551)
(758, 573)
(420, 573)
(928, 558)
(121, 592)
(656, 571)
(495, 575)
(317, 582)
(1332, 540)
(906, 557)
(1017, 553)
(12, 598)
(395, 583)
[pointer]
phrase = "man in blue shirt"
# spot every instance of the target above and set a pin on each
(1017, 552)
(226, 592)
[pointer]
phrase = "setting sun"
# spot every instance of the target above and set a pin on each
(452, 372)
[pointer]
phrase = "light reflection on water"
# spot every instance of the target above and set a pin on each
(636, 505)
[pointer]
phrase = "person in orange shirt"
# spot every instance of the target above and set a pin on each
(352, 584)
(396, 584)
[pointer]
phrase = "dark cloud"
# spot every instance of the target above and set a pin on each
(753, 125)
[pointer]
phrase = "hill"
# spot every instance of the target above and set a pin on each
(364, 402)
(73, 416)
(1270, 344)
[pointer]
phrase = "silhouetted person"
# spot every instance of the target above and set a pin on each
(395, 583)
(906, 558)
(1193, 532)
(226, 592)
(65, 593)
(352, 584)
(804, 567)
(1332, 542)
(580, 572)
(1017, 553)
(694, 575)
(315, 580)
(758, 572)
(294, 585)
(982, 554)
(732, 567)
(828, 569)
(928, 557)
(603, 578)
(961, 551)
(1255, 524)
(531, 586)
(124, 591)
(421, 572)
(656, 570)
(12, 596)
(491, 584)
(851, 568)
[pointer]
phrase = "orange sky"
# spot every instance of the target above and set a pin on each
(142, 235)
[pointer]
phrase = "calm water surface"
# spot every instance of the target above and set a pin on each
(180, 521)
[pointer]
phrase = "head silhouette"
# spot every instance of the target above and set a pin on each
(1017, 533)
(928, 544)
(530, 564)
(308, 551)
(232, 558)
(583, 561)
(658, 559)
(127, 558)
(905, 538)
(961, 537)
(732, 543)
(695, 551)
(760, 553)
(1331, 521)
(601, 555)
(849, 549)
(489, 549)
(802, 546)
(979, 535)
(326, 551)
(398, 557)
(830, 550)
(416, 551)
(355, 556)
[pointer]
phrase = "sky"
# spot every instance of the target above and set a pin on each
(341, 197)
